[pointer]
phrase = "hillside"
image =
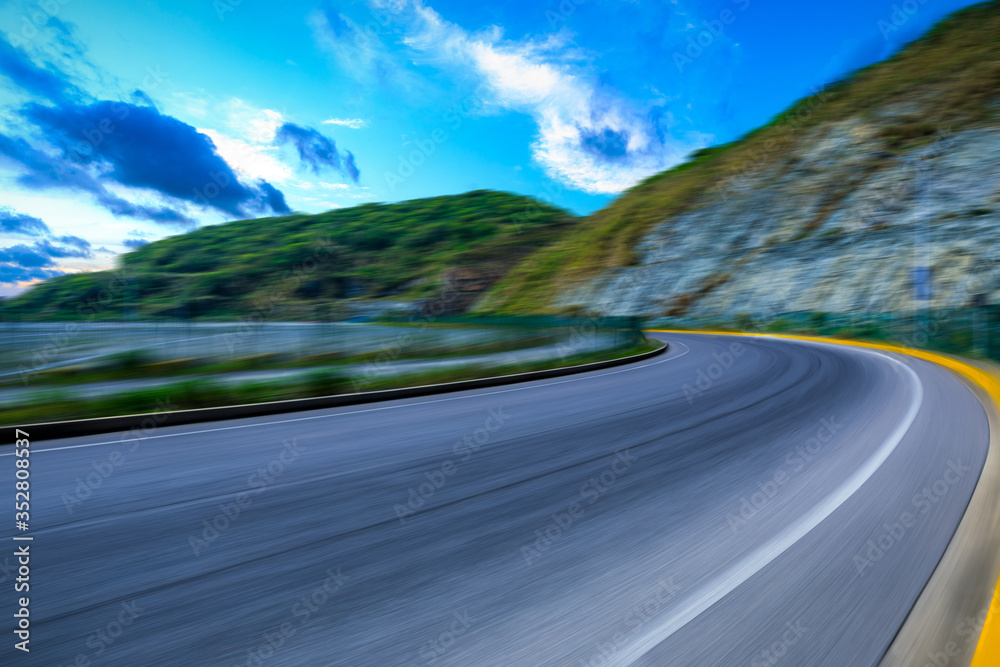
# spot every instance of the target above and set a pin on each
(303, 265)
(813, 211)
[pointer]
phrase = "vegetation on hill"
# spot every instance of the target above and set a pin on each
(297, 262)
(952, 74)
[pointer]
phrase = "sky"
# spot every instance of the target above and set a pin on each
(127, 121)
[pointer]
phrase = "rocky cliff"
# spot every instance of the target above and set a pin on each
(840, 228)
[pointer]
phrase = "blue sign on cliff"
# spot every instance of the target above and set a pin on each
(922, 281)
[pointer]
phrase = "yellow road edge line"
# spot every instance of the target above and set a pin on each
(988, 649)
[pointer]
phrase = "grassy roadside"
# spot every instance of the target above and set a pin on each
(190, 394)
(132, 364)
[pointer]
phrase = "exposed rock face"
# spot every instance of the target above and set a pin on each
(835, 227)
(460, 289)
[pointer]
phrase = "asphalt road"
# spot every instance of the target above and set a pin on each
(784, 505)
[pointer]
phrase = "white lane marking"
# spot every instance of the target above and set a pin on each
(716, 589)
(355, 412)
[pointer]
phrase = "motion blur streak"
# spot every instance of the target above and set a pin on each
(580, 526)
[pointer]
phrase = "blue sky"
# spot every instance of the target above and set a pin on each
(125, 121)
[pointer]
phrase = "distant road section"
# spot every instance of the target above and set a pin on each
(737, 501)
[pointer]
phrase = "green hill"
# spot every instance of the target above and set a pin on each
(302, 263)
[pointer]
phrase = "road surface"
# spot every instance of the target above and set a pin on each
(737, 501)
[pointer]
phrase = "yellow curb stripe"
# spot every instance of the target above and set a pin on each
(988, 650)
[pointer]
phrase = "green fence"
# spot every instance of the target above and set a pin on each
(963, 331)
(626, 331)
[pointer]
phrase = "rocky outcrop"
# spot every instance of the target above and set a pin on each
(837, 224)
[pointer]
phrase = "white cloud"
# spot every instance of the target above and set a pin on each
(589, 135)
(353, 123)
(252, 160)
(246, 140)
(255, 125)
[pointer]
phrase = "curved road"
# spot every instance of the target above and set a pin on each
(737, 501)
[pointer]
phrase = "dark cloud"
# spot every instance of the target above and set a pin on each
(317, 151)
(143, 99)
(18, 67)
(275, 198)
(42, 253)
(23, 262)
(608, 144)
(77, 247)
(75, 241)
(145, 149)
(130, 144)
(20, 224)
(10, 275)
(25, 257)
(47, 172)
(134, 243)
